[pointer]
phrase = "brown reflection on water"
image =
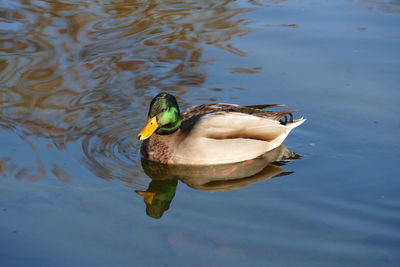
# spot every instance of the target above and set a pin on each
(246, 70)
(29, 174)
(84, 71)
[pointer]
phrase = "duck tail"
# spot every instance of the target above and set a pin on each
(295, 123)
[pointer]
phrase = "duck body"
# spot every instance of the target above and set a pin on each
(211, 134)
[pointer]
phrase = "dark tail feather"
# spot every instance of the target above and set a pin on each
(284, 116)
(287, 118)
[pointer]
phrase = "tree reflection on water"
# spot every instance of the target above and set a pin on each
(84, 71)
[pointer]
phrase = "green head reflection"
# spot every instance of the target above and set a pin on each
(158, 197)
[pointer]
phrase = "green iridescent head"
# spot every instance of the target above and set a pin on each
(163, 118)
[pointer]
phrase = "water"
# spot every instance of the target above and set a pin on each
(76, 81)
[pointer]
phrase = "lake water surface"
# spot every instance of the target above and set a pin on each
(76, 79)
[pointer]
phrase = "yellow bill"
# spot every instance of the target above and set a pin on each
(148, 196)
(149, 129)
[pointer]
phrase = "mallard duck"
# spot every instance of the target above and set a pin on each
(211, 134)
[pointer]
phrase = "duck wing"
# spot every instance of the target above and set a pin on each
(234, 125)
(265, 106)
(257, 110)
(225, 137)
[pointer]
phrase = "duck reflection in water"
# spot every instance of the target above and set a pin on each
(158, 196)
(211, 178)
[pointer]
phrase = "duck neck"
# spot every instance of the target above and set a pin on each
(169, 128)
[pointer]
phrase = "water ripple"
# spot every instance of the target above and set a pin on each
(112, 153)
(85, 71)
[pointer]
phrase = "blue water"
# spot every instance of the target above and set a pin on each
(76, 79)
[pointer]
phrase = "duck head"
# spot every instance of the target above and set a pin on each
(163, 118)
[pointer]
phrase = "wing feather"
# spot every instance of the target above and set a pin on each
(265, 106)
(245, 136)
